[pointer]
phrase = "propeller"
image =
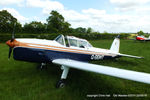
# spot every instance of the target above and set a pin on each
(13, 33)
(12, 39)
(10, 50)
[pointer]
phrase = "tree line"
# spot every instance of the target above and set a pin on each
(55, 23)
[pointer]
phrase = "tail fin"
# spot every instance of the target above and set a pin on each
(115, 45)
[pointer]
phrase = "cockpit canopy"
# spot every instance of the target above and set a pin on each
(71, 41)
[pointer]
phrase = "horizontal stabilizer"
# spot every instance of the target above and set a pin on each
(106, 70)
(130, 56)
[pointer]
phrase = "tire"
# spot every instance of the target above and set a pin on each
(60, 84)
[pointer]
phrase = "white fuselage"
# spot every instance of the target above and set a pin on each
(46, 43)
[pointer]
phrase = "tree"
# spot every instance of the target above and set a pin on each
(56, 23)
(34, 27)
(140, 32)
(80, 30)
(89, 30)
(7, 22)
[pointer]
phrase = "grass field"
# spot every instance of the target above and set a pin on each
(22, 81)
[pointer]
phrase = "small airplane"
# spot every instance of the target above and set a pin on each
(72, 52)
(142, 38)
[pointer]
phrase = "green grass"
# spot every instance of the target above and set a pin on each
(22, 81)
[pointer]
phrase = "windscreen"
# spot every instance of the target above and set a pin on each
(60, 39)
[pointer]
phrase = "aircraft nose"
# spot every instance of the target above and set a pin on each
(10, 43)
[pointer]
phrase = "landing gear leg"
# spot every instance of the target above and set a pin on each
(61, 82)
(42, 66)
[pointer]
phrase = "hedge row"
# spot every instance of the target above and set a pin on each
(95, 36)
(5, 37)
(92, 36)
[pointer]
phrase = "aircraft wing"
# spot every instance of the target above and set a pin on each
(147, 39)
(106, 70)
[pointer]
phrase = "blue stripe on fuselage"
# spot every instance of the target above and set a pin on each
(44, 55)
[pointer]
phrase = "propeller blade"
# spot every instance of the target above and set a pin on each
(13, 33)
(10, 50)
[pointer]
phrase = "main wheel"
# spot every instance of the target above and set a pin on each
(60, 83)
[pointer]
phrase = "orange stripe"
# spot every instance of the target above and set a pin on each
(60, 48)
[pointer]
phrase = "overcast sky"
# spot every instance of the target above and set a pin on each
(101, 15)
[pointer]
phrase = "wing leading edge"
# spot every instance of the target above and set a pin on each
(106, 70)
